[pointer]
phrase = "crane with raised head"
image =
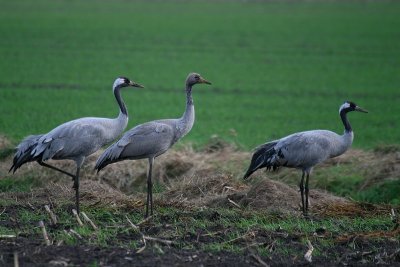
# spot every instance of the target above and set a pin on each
(304, 150)
(75, 140)
(151, 139)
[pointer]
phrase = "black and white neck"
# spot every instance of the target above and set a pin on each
(117, 87)
(344, 109)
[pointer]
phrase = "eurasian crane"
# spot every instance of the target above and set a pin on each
(75, 140)
(151, 139)
(304, 150)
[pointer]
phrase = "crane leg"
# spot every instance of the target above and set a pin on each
(149, 189)
(57, 169)
(302, 192)
(75, 179)
(76, 187)
(306, 191)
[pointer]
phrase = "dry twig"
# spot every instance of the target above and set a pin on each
(245, 236)
(7, 236)
(135, 227)
(16, 260)
(145, 220)
(395, 219)
(308, 255)
(72, 231)
(149, 238)
(164, 241)
(76, 215)
(87, 219)
(31, 206)
(234, 203)
(140, 250)
(214, 233)
(53, 217)
(259, 260)
(45, 236)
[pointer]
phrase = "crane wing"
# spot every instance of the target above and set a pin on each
(77, 137)
(152, 138)
(149, 139)
(302, 149)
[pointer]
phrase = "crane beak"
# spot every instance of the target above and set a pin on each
(360, 109)
(135, 84)
(202, 80)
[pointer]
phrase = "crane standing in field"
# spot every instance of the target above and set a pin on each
(304, 150)
(151, 139)
(75, 140)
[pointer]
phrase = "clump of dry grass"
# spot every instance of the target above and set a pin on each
(129, 175)
(201, 189)
(350, 209)
(91, 193)
(276, 197)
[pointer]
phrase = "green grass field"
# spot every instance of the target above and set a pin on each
(276, 67)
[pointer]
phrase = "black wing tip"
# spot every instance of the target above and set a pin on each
(11, 169)
(247, 174)
(260, 159)
(15, 166)
(100, 166)
(97, 169)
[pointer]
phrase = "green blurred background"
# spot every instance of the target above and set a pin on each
(277, 67)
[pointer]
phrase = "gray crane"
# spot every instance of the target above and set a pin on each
(304, 150)
(74, 140)
(151, 139)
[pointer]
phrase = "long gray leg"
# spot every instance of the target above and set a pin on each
(306, 189)
(57, 169)
(76, 187)
(149, 189)
(302, 192)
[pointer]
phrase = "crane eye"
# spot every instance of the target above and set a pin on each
(196, 77)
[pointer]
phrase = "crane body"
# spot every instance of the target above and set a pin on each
(304, 150)
(74, 140)
(152, 139)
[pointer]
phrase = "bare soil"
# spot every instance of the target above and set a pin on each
(31, 252)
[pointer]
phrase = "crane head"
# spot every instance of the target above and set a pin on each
(125, 82)
(351, 106)
(195, 78)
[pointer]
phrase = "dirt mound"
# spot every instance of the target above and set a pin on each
(200, 190)
(211, 176)
(276, 197)
(350, 209)
(92, 193)
(130, 176)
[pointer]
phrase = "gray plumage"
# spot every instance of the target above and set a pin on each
(74, 140)
(24, 150)
(151, 139)
(304, 150)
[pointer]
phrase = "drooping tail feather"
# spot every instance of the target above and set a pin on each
(110, 155)
(262, 157)
(23, 152)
